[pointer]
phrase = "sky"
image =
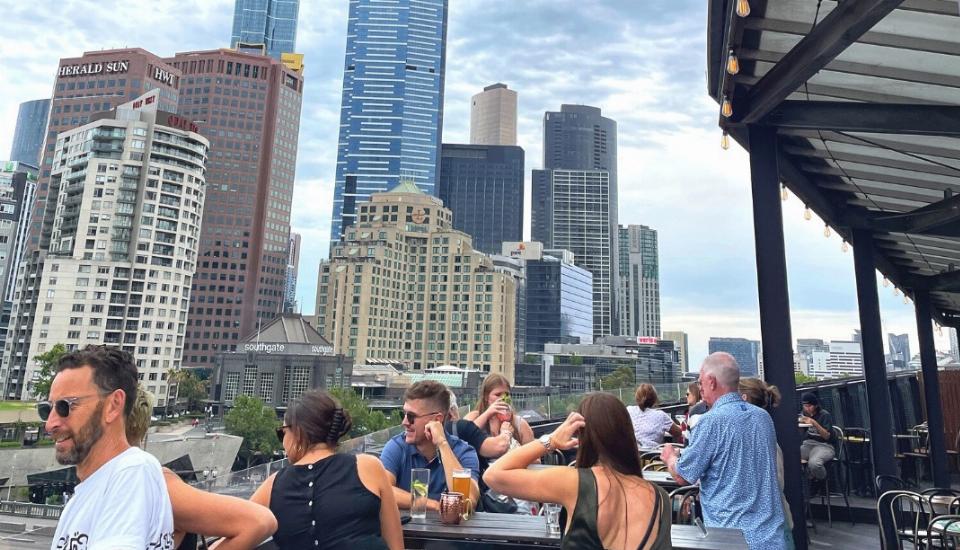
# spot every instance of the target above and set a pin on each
(642, 63)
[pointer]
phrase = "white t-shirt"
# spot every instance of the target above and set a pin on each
(124, 505)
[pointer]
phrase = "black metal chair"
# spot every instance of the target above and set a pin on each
(900, 515)
(885, 483)
(835, 485)
(944, 532)
(858, 461)
(942, 500)
(686, 496)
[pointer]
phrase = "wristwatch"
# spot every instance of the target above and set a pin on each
(546, 442)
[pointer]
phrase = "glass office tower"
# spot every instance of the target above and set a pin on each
(268, 27)
(391, 114)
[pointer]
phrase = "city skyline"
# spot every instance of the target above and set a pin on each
(670, 154)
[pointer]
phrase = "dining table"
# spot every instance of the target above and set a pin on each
(512, 531)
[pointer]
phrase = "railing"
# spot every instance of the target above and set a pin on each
(30, 510)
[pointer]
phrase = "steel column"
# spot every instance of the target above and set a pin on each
(775, 313)
(874, 364)
(931, 390)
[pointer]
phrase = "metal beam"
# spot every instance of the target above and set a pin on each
(840, 28)
(931, 391)
(886, 118)
(940, 154)
(874, 365)
(775, 312)
(940, 218)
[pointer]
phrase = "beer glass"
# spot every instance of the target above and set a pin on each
(461, 484)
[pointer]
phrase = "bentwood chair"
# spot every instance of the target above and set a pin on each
(685, 503)
(901, 515)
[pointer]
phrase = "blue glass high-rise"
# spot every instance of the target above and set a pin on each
(391, 113)
(268, 26)
(30, 131)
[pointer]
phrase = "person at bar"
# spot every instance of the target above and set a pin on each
(487, 446)
(425, 444)
(607, 502)
(241, 524)
(650, 424)
(325, 499)
(816, 447)
(733, 454)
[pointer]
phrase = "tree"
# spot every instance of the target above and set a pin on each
(48, 362)
(623, 377)
(189, 387)
(364, 419)
(801, 378)
(256, 424)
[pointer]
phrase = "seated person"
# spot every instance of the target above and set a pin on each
(487, 446)
(424, 444)
(816, 448)
(494, 413)
(650, 424)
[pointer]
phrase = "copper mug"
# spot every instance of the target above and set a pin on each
(451, 507)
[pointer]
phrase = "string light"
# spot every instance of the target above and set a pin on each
(733, 63)
(784, 195)
(725, 141)
(886, 282)
(906, 300)
(743, 8)
(826, 231)
(896, 291)
(806, 213)
(939, 329)
(726, 108)
(844, 247)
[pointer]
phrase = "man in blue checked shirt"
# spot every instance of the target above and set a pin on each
(733, 454)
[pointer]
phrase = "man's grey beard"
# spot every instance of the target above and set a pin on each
(84, 440)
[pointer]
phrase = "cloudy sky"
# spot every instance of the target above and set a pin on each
(643, 63)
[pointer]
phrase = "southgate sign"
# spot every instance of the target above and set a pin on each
(294, 349)
(84, 69)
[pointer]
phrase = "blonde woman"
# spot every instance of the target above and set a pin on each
(494, 415)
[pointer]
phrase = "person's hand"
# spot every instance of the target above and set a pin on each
(667, 454)
(434, 432)
(506, 428)
(563, 438)
(497, 407)
(806, 420)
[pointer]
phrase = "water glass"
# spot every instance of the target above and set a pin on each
(419, 483)
(552, 514)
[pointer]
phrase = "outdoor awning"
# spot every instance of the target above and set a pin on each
(865, 96)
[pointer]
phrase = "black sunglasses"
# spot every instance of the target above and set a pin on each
(412, 416)
(280, 432)
(62, 406)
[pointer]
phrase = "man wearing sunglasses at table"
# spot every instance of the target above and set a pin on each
(121, 501)
(424, 444)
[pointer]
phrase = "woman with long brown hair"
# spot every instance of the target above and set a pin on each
(608, 503)
(494, 414)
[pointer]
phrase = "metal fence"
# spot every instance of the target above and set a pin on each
(30, 510)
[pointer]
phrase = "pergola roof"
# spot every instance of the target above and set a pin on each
(865, 95)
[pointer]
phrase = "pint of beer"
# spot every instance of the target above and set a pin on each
(461, 484)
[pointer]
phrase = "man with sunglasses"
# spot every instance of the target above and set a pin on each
(121, 501)
(424, 444)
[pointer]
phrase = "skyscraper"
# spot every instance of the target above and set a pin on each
(559, 301)
(899, 345)
(572, 211)
(249, 106)
(679, 339)
(493, 116)
(28, 136)
(438, 303)
(743, 350)
(293, 269)
(575, 201)
(391, 114)
(483, 186)
(18, 183)
(124, 228)
(267, 27)
(639, 291)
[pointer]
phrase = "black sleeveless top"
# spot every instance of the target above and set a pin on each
(583, 534)
(325, 505)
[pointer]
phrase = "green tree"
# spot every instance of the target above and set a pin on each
(47, 361)
(801, 378)
(256, 424)
(364, 419)
(623, 377)
(190, 387)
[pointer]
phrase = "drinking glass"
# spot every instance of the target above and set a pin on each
(461, 484)
(419, 482)
(551, 512)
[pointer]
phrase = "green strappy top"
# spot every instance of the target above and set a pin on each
(583, 534)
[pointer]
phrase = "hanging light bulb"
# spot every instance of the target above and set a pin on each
(743, 8)
(806, 213)
(906, 300)
(726, 108)
(844, 247)
(826, 231)
(896, 291)
(939, 329)
(886, 282)
(783, 192)
(725, 141)
(733, 63)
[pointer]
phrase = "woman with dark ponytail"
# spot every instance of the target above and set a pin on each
(324, 499)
